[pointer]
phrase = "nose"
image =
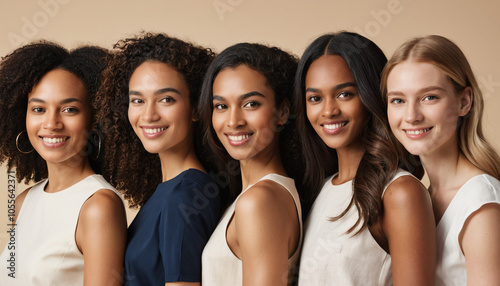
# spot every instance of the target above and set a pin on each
(413, 113)
(236, 118)
(330, 108)
(52, 120)
(150, 113)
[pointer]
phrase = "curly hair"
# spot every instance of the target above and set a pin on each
(383, 153)
(278, 67)
(20, 71)
(128, 166)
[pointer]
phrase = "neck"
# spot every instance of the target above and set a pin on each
(174, 162)
(349, 159)
(448, 169)
(64, 175)
(254, 169)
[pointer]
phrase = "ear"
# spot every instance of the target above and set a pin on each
(284, 112)
(466, 99)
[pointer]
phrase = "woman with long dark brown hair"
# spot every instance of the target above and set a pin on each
(371, 223)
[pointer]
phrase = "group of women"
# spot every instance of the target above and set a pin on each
(222, 153)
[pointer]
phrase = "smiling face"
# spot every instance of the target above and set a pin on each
(244, 116)
(424, 108)
(159, 109)
(333, 106)
(58, 117)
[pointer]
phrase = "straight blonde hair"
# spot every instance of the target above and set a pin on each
(446, 56)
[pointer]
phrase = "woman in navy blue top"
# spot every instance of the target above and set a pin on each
(153, 156)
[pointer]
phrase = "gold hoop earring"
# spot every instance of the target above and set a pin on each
(17, 143)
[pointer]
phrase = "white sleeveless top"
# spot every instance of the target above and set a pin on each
(45, 246)
(478, 191)
(332, 257)
(219, 265)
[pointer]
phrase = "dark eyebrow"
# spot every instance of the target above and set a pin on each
(67, 100)
(337, 87)
(72, 99)
(36, 100)
(242, 97)
(159, 91)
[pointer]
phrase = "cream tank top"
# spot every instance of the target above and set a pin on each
(332, 257)
(45, 249)
(220, 266)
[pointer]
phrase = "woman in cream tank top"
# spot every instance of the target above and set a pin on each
(244, 109)
(70, 228)
(432, 91)
(364, 228)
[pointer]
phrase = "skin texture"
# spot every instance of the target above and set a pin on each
(406, 229)
(264, 231)
(159, 99)
(430, 101)
(58, 108)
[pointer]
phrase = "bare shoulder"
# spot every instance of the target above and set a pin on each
(102, 204)
(265, 195)
(479, 242)
(483, 221)
(406, 191)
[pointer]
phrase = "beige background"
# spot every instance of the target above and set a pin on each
(473, 25)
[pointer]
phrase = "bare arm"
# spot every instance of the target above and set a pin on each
(101, 237)
(266, 225)
(410, 229)
(480, 242)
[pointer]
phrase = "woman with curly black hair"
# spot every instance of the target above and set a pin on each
(70, 226)
(154, 159)
(244, 109)
(371, 223)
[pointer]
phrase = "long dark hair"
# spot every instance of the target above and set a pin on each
(278, 67)
(381, 158)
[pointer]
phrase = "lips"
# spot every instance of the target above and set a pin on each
(238, 139)
(418, 131)
(333, 127)
(53, 141)
(153, 131)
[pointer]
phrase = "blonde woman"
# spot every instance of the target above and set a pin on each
(435, 109)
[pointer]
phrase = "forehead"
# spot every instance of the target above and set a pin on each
(59, 84)
(155, 73)
(241, 80)
(415, 75)
(329, 69)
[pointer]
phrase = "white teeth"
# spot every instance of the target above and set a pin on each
(54, 140)
(417, 132)
(334, 126)
(239, 137)
(154, 130)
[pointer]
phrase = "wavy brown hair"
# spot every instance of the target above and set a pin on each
(128, 166)
(20, 71)
(383, 153)
(448, 57)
